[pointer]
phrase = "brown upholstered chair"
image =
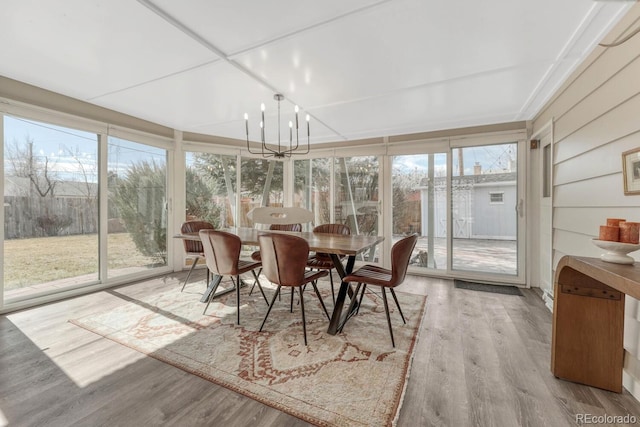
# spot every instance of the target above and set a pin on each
(280, 227)
(222, 253)
(193, 248)
(284, 260)
(322, 261)
(385, 278)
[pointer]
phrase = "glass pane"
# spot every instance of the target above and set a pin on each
(211, 188)
(50, 207)
(137, 236)
(311, 188)
(419, 185)
(261, 185)
(483, 212)
(356, 196)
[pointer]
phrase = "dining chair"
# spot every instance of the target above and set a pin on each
(193, 248)
(278, 227)
(323, 261)
(284, 261)
(385, 278)
(266, 215)
(222, 253)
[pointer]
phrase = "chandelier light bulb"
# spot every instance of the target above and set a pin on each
(281, 151)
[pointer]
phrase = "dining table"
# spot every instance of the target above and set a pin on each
(338, 246)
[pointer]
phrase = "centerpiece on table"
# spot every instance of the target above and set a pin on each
(618, 238)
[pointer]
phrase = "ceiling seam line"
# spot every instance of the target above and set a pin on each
(186, 30)
(435, 83)
(195, 67)
(305, 29)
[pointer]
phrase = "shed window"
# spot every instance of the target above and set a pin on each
(496, 198)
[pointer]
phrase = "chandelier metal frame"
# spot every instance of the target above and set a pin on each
(281, 151)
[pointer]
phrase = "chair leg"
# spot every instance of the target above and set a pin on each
(315, 288)
(254, 283)
(238, 300)
(273, 300)
(397, 304)
(255, 276)
(291, 305)
(386, 309)
(361, 297)
(350, 307)
(218, 279)
(304, 323)
(333, 292)
(195, 261)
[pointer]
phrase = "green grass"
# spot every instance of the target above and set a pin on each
(34, 261)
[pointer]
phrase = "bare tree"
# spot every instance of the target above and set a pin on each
(39, 169)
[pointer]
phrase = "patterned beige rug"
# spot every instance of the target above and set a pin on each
(355, 378)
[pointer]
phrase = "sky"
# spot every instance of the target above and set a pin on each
(65, 147)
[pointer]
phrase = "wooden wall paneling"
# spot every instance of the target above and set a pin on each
(603, 160)
(607, 97)
(588, 221)
(593, 72)
(632, 308)
(611, 126)
(601, 191)
(631, 334)
(575, 244)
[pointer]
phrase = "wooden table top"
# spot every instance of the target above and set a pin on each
(318, 242)
(622, 277)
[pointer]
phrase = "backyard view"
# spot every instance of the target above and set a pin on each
(51, 203)
(51, 207)
(32, 258)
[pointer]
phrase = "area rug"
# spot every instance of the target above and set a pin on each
(355, 378)
(485, 287)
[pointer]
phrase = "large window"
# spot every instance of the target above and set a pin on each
(137, 236)
(210, 188)
(419, 186)
(312, 185)
(356, 201)
(261, 184)
(484, 217)
(50, 208)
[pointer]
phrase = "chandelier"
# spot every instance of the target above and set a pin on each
(282, 150)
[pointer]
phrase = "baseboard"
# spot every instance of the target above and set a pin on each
(548, 300)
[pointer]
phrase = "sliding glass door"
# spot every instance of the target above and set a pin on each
(312, 188)
(419, 205)
(210, 189)
(485, 209)
(137, 207)
(50, 208)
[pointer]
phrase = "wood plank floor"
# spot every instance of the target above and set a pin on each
(482, 359)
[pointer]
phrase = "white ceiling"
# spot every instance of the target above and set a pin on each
(360, 68)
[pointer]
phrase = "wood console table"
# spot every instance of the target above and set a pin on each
(588, 320)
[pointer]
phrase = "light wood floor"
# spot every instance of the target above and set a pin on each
(482, 359)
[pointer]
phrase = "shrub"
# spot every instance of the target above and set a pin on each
(52, 225)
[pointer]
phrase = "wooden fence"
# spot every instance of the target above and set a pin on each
(26, 217)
